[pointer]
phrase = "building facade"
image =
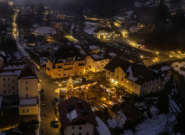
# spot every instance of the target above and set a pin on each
(136, 77)
(76, 117)
(97, 62)
(103, 33)
(20, 79)
(65, 62)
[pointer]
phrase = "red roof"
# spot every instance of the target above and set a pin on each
(76, 111)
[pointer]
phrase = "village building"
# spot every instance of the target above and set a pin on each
(19, 78)
(65, 62)
(103, 33)
(97, 62)
(136, 77)
(76, 117)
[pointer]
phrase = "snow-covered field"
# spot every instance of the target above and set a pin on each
(176, 66)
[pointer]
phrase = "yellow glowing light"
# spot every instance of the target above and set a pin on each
(141, 56)
(157, 52)
(71, 38)
(116, 24)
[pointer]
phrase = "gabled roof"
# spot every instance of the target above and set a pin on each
(65, 54)
(76, 111)
(136, 72)
(161, 67)
(22, 69)
(100, 56)
(114, 63)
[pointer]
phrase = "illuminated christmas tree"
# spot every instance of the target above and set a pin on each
(70, 85)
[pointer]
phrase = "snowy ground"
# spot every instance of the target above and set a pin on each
(117, 121)
(154, 125)
(176, 66)
(158, 122)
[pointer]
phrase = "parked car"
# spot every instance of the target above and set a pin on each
(42, 96)
(56, 105)
(56, 122)
(42, 91)
(56, 99)
(56, 112)
(43, 103)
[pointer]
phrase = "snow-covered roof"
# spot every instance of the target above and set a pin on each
(2, 53)
(129, 70)
(29, 77)
(96, 56)
(28, 102)
(121, 100)
(90, 30)
(1, 59)
(92, 47)
(112, 54)
(15, 72)
(94, 109)
(164, 68)
(78, 46)
(21, 66)
(132, 78)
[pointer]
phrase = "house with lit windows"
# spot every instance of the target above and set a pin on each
(103, 33)
(136, 77)
(97, 62)
(19, 79)
(76, 117)
(65, 62)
